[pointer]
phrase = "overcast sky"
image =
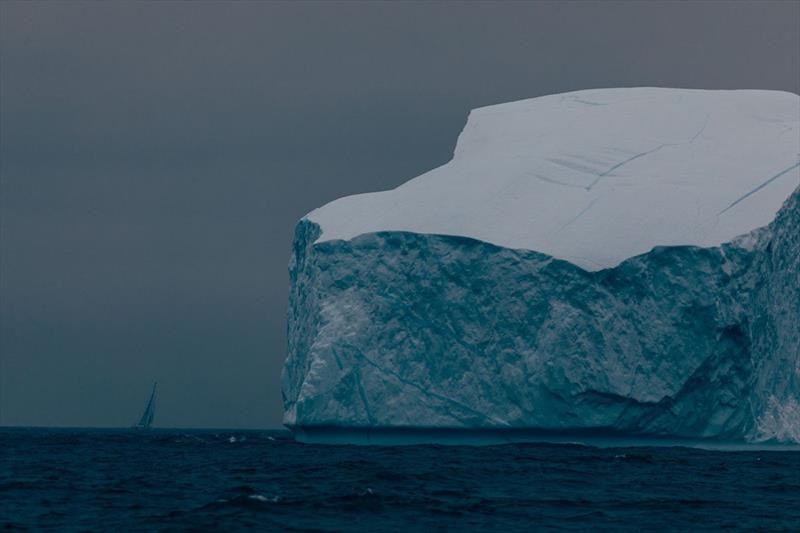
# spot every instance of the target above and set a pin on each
(155, 158)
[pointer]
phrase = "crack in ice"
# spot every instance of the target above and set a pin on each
(702, 129)
(576, 217)
(554, 182)
(625, 162)
(427, 392)
(642, 154)
(363, 394)
(767, 182)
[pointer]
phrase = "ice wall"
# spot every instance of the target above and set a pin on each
(408, 329)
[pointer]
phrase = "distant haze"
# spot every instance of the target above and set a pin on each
(154, 158)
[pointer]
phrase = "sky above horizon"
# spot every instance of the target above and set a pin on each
(155, 157)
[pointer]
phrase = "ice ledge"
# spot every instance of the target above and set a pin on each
(596, 177)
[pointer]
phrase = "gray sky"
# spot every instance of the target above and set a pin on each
(155, 158)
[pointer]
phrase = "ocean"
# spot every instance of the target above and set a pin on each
(79, 479)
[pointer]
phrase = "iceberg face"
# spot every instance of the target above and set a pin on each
(774, 327)
(656, 294)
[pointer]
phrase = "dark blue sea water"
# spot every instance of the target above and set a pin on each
(166, 480)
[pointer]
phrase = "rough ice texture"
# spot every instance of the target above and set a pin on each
(393, 329)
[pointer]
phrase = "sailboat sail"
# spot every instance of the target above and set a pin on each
(149, 411)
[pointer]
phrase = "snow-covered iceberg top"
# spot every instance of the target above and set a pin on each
(598, 176)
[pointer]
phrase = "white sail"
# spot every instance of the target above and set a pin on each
(146, 421)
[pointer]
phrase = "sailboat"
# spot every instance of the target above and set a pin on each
(146, 421)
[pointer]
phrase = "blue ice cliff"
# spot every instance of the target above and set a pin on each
(619, 259)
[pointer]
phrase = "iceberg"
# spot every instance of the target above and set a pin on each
(613, 260)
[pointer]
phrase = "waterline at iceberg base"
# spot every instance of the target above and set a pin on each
(441, 337)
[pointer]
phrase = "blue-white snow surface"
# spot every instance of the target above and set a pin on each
(620, 259)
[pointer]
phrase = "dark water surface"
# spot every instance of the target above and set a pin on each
(172, 479)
